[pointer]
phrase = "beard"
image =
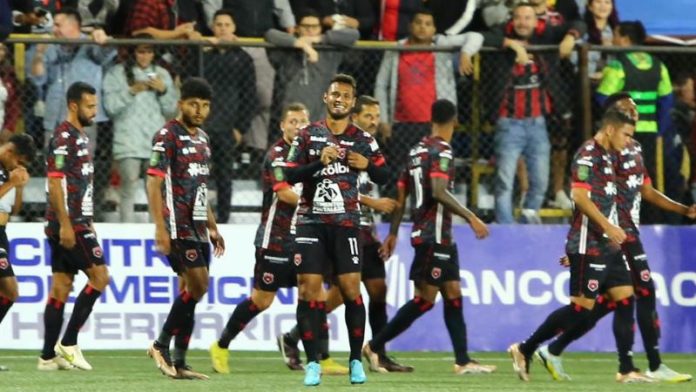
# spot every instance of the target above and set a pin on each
(338, 115)
(85, 121)
(190, 122)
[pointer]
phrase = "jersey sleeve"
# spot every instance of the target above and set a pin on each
(375, 153)
(163, 151)
(581, 170)
(275, 165)
(402, 182)
(440, 162)
(59, 152)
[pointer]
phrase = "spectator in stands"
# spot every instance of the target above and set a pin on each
(140, 97)
(96, 13)
(684, 121)
(55, 67)
(155, 18)
(336, 14)
(9, 95)
(409, 82)
(255, 17)
(395, 17)
(646, 78)
(601, 19)
(230, 71)
(303, 75)
(521, 127)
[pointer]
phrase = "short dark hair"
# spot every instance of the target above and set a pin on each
(421, 11)
(616, 117)
(634, 30)
(24, 145)
(77, 89)
(196, 88)
(345, 79)
(364, 100)
(224, 11)
(307, 12)
(613, 99)
(71, 12)
(443, 111)
(292, 107)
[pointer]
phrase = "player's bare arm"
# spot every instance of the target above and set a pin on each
(215, 237)
(288, 196)
(56, 198)
(383, 204)
(389, 244)
(587, 207)
(443, 196)
(154, 197)
(659, 199)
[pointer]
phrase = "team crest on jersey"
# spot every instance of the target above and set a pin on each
(191, 254)
(298, 259)
(593, 284)
(645, 275)
(436, 273)
(268, 278)
(97, 252)
(4, 263)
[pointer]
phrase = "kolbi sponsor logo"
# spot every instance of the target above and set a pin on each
(334, 169)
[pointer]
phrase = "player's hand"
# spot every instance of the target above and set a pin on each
(466, 67)
(479, 228)
(67, 236)
(185, 28)
(99, 36)
(162, 241)
(19, 176)
(691, 212)
(566, 47)
(564, 261)
(328, 155)
(385, 131)
(156, 84)
(357, 161)
(616, 234)
(385, 205)
(217, 241)
(387, 248)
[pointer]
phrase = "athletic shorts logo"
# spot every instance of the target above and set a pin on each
(645, 275)
(4, 263)
(593, 284)
(97, 251)
(298, 259)
(191, 254)
(268, 278)
(436, 273)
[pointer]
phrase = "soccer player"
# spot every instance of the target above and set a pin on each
(429, 179)
(184, 223)
(70, 232)
(14, 156)
(274, 241)
(327, 158)
(634, 184)
(593, 247)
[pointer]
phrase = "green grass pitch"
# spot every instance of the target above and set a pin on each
(129, 370)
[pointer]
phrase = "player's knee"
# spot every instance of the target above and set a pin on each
(61, 290)
(377, 291)
(100, 279)
(262, 301)
(11, 294)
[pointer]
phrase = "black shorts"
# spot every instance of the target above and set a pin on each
(185, 254)
(274, 270)
(618, 274)
(373, 265)
(6, 270)
(327, 250)
(588, 274)
(86, 253)
(435, 264)
(638, 262)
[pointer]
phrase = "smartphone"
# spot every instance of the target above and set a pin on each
(151, 75)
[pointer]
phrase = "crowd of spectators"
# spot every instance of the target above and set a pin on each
(531, 98)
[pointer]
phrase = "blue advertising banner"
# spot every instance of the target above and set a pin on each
(512, 281)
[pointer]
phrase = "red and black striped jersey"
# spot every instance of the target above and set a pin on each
(181, 158)
(631, 175)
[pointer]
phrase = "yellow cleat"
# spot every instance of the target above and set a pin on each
(220, 359)
(332, 368)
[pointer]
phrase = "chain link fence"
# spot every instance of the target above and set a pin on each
(252, 82)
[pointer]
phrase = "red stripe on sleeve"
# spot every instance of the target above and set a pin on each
(156, 172)
(280, 185)
(439, 175)
(55, 174)
(581, 185)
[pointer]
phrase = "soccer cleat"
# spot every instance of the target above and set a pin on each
(473, 367)
(520, 363)
(634, 377)
(185, 372)
(357, 373)
(664, 373)
(373, 359)
(73, 355)
(220, 358)
(4, 368)
(290, 352)
(55, 363)
(312, 374)
(393, 366)
(332, 368)
(552, 363)
(162, 359)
